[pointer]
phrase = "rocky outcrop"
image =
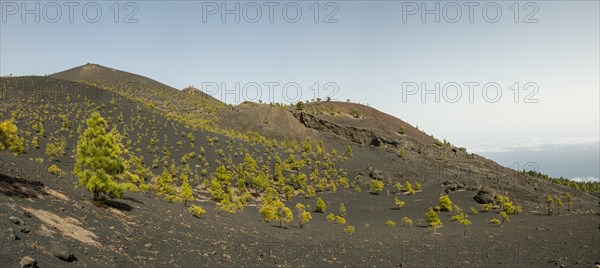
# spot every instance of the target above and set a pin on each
(28, 262)
(357, 135)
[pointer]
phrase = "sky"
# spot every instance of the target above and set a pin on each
(528, 72)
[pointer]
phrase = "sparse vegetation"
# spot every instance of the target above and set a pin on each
(56, 148)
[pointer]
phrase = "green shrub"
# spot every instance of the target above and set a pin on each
(330, 217)
(504, 217)
(398, 203)
(350, 229)
(376, 186)
(196, 211)
(474, 211)
(9, 137)
(390, 223)
(433, 219)
(340, 220)
(408, 188)
(407, 221)
(418, 186)
(54, 170)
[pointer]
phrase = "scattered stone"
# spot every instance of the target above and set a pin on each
(28, 262)
(15, 220)
(25, 229)
(148, 246)
(10, 234)
(453, 186)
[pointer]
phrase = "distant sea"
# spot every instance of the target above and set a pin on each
(576, 162)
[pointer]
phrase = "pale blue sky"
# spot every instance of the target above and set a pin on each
(369, 53)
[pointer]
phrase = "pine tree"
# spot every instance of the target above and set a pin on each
(433, 219)
(307, 146)
(219, 184)
(303, 215)
(163, 184)
(320, 206)
(98, 160)
(409, 189)
(445, 203)
(186, 193)
(504, 217)
(550, 202)
(349, 151)
(559, 204)
(342, 210)
(285, 216)
(569, 201)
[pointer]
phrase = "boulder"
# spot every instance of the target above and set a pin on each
(15, 220)
(25, 229)
(376, 174)
(485, 195)
(62, 252)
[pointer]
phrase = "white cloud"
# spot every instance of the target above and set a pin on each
(586, 179)
(535, 145)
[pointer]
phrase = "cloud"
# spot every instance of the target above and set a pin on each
(586, 179)
(535, 145)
